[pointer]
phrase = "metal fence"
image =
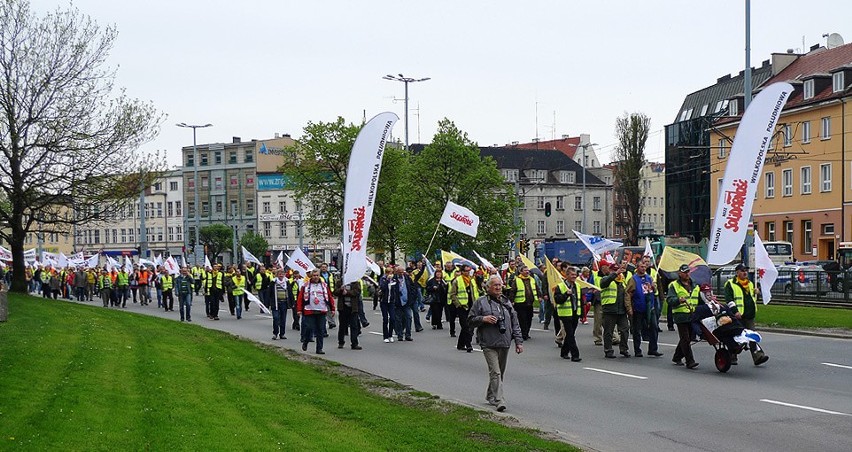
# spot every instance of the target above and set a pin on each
(802, 286)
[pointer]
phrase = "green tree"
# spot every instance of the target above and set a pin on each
(451, 169)
(63, 135)
(216, 238)
(316, 171)
(255, 243)
(632, 133)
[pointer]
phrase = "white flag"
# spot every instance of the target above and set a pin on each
(743, 172)
(460, 219)
(280, 260)
(93, 261)
(597, 245)
(147, 262)
(62, 260)
(362, 179)
(207, 263)
(158, 260)
(765, 271)
(299, 261)
(485, 263)
(248, 257)
(374, 267)
(171, 266)
(255, 300)
(5, 253)
(183, 262)
(648, 251)
(128, 265)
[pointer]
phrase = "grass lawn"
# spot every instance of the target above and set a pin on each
(78, 377)
(785, 316)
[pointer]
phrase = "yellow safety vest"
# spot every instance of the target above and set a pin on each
(739, 295)
(691, 298)
(210, 280)
(463, 296)
(564, 309)
(167, 282)
(521, 293)
(239, 285)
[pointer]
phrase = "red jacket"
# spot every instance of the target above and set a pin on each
(300, 302)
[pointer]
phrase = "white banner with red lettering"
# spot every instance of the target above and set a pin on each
(743, 173)
(766, 271)
(460, 219)
(299, 261)
(362, 180)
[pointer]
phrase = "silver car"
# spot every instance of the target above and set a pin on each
(794, 279)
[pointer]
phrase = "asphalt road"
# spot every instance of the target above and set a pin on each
(800, 400)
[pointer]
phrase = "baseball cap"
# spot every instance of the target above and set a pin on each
(741, 267)
(684, 268)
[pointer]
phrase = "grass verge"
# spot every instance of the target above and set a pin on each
(805, 317)
(78, 377)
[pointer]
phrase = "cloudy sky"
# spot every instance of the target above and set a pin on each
(501, 70)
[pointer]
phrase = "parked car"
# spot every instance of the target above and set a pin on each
(799, 278)
(834, 272)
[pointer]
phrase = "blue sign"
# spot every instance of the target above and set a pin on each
(270, 182)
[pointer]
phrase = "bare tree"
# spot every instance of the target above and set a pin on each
(68, 148)
(632, 133)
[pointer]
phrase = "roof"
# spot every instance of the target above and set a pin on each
(549, 160)
(726, 87)
(819, 62)
(566, 145)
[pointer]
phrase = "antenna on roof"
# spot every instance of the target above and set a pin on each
(834, 40)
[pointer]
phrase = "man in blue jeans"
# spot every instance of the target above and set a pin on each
(402, 301)
(183, 287)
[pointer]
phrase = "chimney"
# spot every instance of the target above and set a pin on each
(514, 143)
(235, 140)
(814, 47)
(565, 137)
(780, 61)
(536, 140)
(276, 134)
(286, 135)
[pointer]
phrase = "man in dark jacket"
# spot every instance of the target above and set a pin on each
(349, 305)
(496, 326)
(436, 288)
(615, 307)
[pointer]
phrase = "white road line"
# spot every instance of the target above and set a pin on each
(376, 333)
(474, 348)
(667, 345)
(837, 365)
(638, 377)
(809, 408)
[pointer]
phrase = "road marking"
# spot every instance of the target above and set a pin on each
(837, 365)
(474, 348)
(638, 377)
(667, 345)
(818, 410)
(376, 333)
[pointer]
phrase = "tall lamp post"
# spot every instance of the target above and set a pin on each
(405, 80)
(583, 164)
(195, 177)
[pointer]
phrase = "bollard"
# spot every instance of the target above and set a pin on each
(4, 305)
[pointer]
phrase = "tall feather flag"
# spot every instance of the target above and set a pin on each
(767, 273)
(256, 301)
(248, 257)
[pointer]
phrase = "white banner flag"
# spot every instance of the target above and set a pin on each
(147, 262)
(648, 251)
(183, 262)
(5, 253)
(743, 173)
(158, 260)
(299, 261)
(362, 179)
(255, 300)
(128, 265)
(374, 267)
(93, 261)
(62, 260)
(597, 245)
(280, 260)
(766, 272)
(248, 257)
(460, 219)
(485, 263)
(171, 266)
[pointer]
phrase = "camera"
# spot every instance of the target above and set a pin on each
(501, 325)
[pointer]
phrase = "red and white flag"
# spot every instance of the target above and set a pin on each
(362, 180)
(766, 272)
(743, 173)
(299, 261)
(171, 266)
(460, 219)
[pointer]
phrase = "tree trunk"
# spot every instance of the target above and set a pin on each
(19, 266)
(4, 305)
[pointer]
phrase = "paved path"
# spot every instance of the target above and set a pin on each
(800, 400)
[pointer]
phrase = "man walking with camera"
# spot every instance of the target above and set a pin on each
(496, 326)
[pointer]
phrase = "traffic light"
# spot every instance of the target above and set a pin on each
(547, 209)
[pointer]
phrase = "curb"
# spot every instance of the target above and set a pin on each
(806, 333)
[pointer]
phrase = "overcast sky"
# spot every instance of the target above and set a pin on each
(503, 71)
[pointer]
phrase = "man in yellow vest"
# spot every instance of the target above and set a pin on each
(615, 307)
(167, 284)
(740, 297)
(238, 290)
(525, 295)
(214, 287)
(683, 298)
(569, 308)
(462, 293)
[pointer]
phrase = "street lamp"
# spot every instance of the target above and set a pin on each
(195, 177)
(583, 164)
(406, 81)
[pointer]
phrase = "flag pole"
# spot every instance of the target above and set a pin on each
(429, 248)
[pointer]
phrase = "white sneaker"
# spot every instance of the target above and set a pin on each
(387, 341)
(391, 339)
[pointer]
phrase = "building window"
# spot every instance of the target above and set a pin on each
(596, 203)
(249, 207)
(218, 183)
(249, 156)
(596, 227)
(234, 181)
(219, 206)
(806, 180)
(233, 207)
(578, 226)
(267, 229)
(205, 182)
(560, 227)
(267, 207)
(618, 230)
(160, 234)
(159, 210)
(123, 235)
(788, 135)
(173, 186)
(560, 203)
(770, 231)
(190, 184)
(541, 227)
(97, 236)
(788, 231)
(825, 130)
(190, 209)
(158, 186)
(282, 206)
(825, 177)
(770, 185)
(809, 89)
(807, 237)
(205, 208)
(806, 132)
(178, 209)
(733, 108)
(787, 182)
(232, 157)
(511, 175)
(723, 152)
(704, 109)
(837, 82)
(190, 160)
(828, 228)
(217, 157)
(249, 180)
(203, 159)
(578, 203)
(567, 177)
(171, 234)
(282, 229)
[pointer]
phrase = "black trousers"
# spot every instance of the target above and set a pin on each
(348, 323)
(464, 332)
(525, 316)
(684, 345)
(168, 300)
(569, 343)
(437, 315)
(452, 313)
